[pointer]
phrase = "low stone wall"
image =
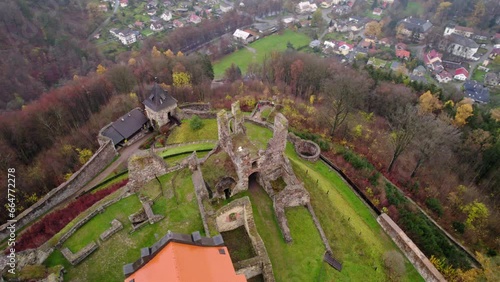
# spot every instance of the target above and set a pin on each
(161, 149)
(201, 193)
(75, 259)
(116, 226)
(188, 113)
(411, 251)
(198, 106)
(306, 149)
(102, 157)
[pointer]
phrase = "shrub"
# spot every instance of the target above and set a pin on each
(196, 123)
(356, 161)
(393, 195)
(52, 223)
(458, 226)
(434, 205)
(374, 178)
(323, 144)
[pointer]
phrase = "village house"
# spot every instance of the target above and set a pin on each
(156, 27)
(476, 91)
(126, 36)
(376, 63)
(103, 7)
(419, 71)
(415, 27)
(403, 54)
(306, 7)
(193, 18)
(139, 24)
(166, 16)
(126, 127)
(444, 77)
(225, 8)
(123, 3)
(460, 30)
(462, 46)
(377, 11)
(245, 36)
(177, 23)
(461, 74)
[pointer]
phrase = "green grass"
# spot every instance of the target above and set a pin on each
(184, 133)
(478, 75)
(302, 260)
(258, 135)
(239, 244)
(105, 264)
(263, 47)
(414, 9)
(185, 149)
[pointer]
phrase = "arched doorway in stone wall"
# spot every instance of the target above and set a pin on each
(225, 186)
(253, 180)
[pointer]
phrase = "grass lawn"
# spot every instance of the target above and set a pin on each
(478, 75)
(239, 244)
(302, 259)
(357, 240)
(414, 8)
(258, 135)
(184, 133)
(263, 47)
(105, 264)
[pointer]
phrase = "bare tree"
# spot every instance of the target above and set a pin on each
(434, 136)
(404, 123)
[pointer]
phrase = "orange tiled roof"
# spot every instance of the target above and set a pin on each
(184, 262)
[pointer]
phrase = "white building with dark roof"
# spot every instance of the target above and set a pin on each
(462, 46)
(160, 106)
(126, 36)
(413, 26)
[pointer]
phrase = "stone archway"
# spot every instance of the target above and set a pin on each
(225, 186)
(253, 180)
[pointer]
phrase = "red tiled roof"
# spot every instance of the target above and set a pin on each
(402, 54)
(462, 71)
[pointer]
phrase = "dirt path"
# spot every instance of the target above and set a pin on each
(125, 153)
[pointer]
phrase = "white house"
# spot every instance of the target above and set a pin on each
(456, 29)
(306, 7)
(123, 3)
(462, 46)
(225, 8)
(166, 16)
(244, 36)
(156, 27)
(461, 74)
(125, 36)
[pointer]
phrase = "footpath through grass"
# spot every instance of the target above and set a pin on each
(262, 47)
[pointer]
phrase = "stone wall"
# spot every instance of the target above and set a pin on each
(189, 113)
(116, 226)
(101, 158)
(143, 167)
(306, 149)
(75, 259)
(201, 193)
(160, 117)
(412, 252)
(260, 264)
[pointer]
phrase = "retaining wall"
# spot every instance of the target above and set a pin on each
(102, 157)
(411, 251)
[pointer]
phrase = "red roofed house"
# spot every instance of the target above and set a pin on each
(123, 3)
(461, 74)
(181, 257)
(177, 23)
(194, 19)
(444, 77)
(403, 54)
(377, 11)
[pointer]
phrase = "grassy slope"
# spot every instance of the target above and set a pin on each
(106, 263)
(353, 232)
(244, 57)
(184, 133)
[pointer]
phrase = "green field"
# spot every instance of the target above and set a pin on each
(414, 9)
(184, 133)
(263, 47)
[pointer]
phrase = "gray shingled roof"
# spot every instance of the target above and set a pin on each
(416, 24)
(476, 91)
(159, 99)
(126, 126)
(462, 40)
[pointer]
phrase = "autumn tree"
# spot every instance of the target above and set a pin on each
(373, 28)
(232, 73)
(429, 103)
(122, 78)
(464, 111)
(477, 215)
(479, 11)
(155, 53)
(317, 19)
(100, 69)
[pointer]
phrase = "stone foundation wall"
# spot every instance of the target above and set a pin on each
(116, 226)
(411, 251)
(143, 167)
(201, 193)
(101, 158)
(75, 259)
(188, 113)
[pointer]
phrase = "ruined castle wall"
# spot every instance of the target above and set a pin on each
(101, 158)
(412, 252)
(143, 167)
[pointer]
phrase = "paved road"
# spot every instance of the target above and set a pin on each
(106, 21)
